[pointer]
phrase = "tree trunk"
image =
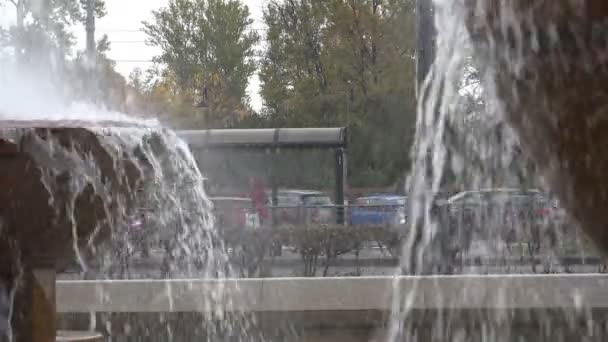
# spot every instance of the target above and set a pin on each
(90, 30)
(91, 53)
(20, 12)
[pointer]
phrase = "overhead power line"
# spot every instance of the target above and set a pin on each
(127, 42)
(111, 30)
(262, 40)
(151, 61)
(133, 60)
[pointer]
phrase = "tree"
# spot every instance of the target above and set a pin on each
(42, 27)
(101, 85)
(43, 53)
(207, 57)
(136, 80)
(43, 45)
(347, 63)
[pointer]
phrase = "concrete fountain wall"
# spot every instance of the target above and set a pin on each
(539, 308)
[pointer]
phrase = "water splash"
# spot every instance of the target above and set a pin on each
(31, 95)
(465, 138)
(439, 94)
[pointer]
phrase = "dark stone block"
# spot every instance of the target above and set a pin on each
(552, 78)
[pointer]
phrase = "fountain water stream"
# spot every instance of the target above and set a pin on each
(541, 67)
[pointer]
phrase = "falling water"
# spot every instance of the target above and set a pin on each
(483, 98)
(103, 175)
(95, 172)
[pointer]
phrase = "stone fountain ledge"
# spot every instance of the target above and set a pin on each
(335, 294)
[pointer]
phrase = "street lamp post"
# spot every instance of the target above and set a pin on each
(425, 40)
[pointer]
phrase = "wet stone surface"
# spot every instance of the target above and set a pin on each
(56, 185)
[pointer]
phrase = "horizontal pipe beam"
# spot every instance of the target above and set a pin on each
(335, 294)
(265, 138)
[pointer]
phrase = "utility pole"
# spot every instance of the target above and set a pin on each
(90, 28)
(20, 16)
(425, 40)
(90, 62)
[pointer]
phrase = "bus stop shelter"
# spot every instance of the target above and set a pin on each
(275, 140)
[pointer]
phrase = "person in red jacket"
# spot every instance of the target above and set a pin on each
(258, 198)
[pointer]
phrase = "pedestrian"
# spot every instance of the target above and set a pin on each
(257, 193)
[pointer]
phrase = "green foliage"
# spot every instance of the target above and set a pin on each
(100, 9)
(41, 35)
(207, 56)
(42, 42)
(326, 63)
(345, 63)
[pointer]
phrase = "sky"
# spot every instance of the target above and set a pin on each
(122, 24)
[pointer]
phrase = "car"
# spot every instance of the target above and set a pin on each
(381, 210)
(302, 207)
(235, 213)
(533, 202)
(511, 215)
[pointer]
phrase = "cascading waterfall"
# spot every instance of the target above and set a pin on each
(95, 178)
(92, 172)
